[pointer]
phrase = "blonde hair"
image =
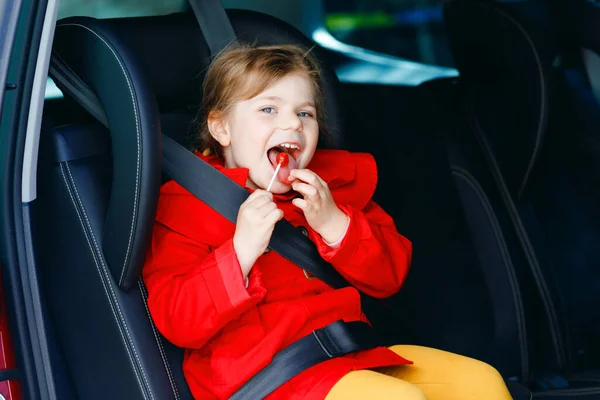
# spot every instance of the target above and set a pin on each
(243, 71)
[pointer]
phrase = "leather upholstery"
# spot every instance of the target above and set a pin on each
(109, 344)
(99, 58)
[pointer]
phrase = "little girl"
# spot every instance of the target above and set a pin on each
(216, 290)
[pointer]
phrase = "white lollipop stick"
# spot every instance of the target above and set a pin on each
(273, 178)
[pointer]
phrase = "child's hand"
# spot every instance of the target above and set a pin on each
(321, 212)
(255, 223)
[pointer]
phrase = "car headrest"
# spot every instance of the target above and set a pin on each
(504, 51)
(107, 66)
(142, 69)
(175, 56)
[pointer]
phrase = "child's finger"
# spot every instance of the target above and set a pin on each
(258, 194)
(258, 201)
(300, 203)
(265, 209)
(305, 190)
(307, 176)
(323, 183)
(274, 216)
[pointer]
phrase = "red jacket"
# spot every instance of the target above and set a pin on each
(199, 301)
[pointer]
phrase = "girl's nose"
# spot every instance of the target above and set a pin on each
(290, 121)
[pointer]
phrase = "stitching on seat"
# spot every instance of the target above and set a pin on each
(158, 341)
(524, 239)
(538, 138)
(137, 129)
(467, 177)
(106, 279)
(94, 255)
(539, 134)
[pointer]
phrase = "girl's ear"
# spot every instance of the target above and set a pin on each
(218, 128)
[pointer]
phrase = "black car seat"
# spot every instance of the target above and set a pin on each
(98, 191)
(514, 100)
(99, 188)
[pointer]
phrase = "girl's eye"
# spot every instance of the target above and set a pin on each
(304, 114)
(268, 110)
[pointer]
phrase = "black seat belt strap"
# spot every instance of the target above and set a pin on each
(334, 340)
(71, 84)
(214, 24)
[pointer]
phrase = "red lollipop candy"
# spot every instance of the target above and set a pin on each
(283, 159)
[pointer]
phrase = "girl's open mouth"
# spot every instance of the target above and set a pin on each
(293, 150)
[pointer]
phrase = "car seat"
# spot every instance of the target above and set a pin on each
(98, 191)
(514, 100)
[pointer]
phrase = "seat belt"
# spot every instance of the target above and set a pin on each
(214, 24)
(195, 175)
(334, 340)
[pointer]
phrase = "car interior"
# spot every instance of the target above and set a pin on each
(493, 175)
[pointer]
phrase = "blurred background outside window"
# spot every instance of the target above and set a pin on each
(119, 8)
(394, 42)
(408, 29)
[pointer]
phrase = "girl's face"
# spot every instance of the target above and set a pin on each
(282, 118)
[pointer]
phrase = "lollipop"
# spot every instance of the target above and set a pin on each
(282, 161)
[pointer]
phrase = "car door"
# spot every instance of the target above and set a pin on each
(26, 29)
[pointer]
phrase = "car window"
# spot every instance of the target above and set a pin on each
(119, 8)
(409, 29)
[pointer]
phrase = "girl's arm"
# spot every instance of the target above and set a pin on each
(193, 290)
(372, 256)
